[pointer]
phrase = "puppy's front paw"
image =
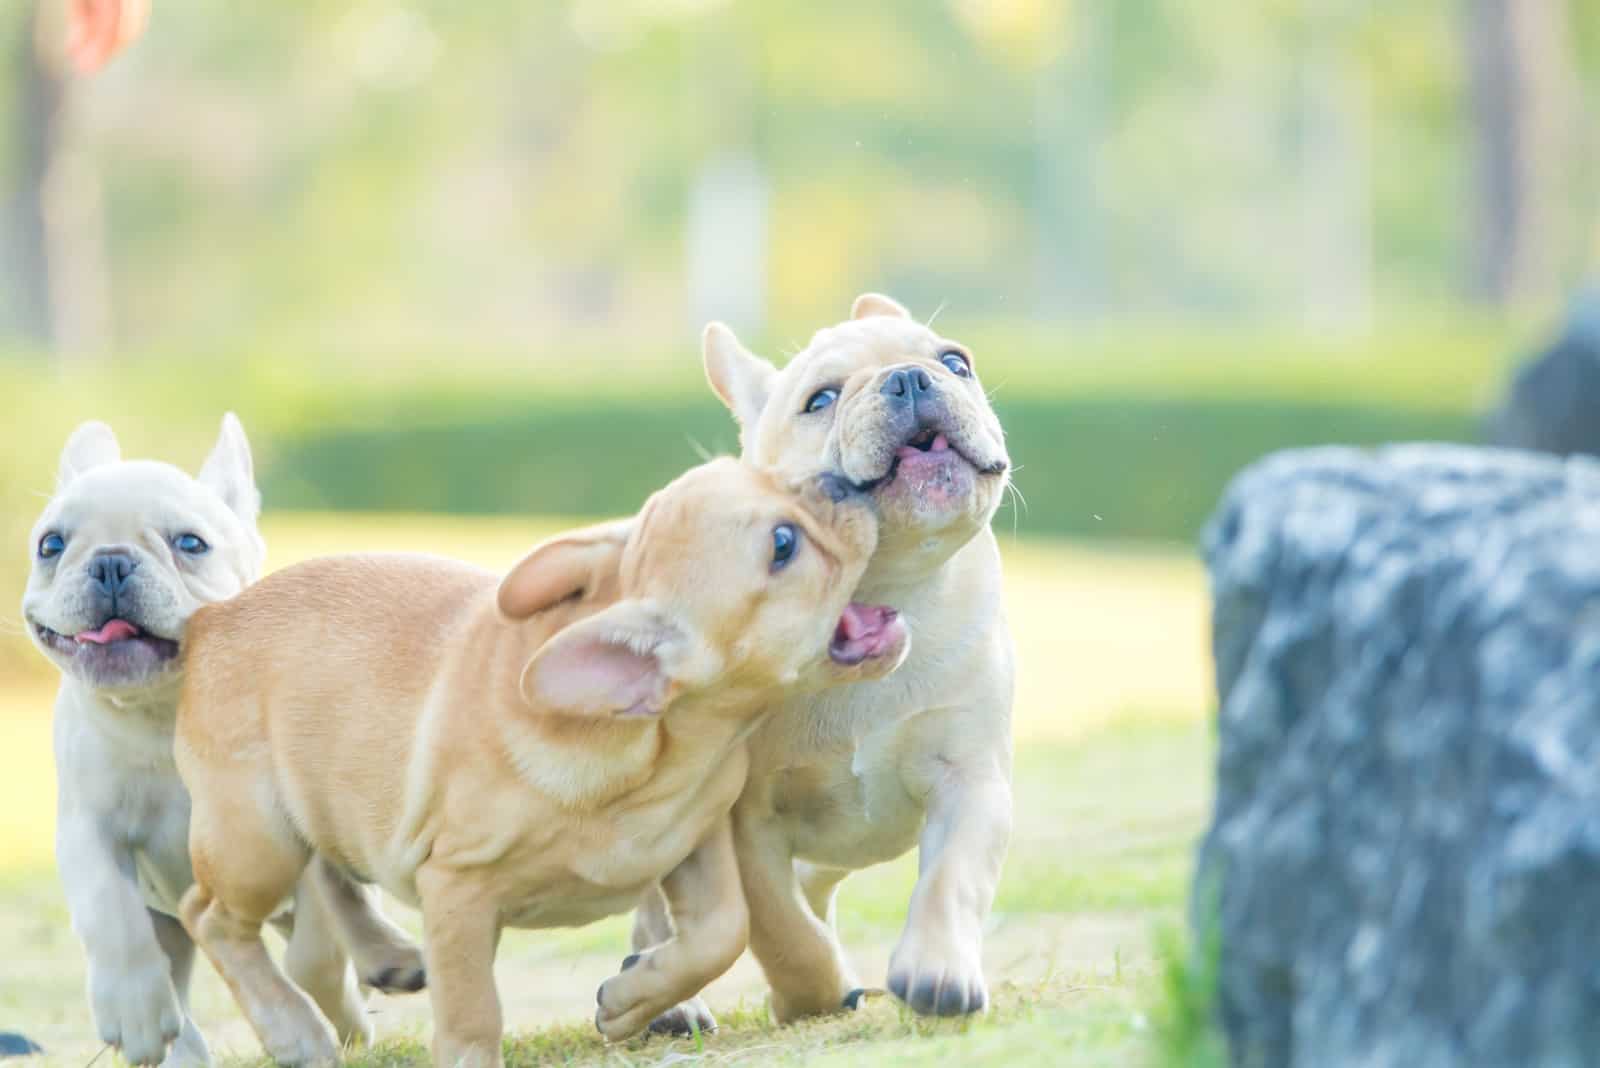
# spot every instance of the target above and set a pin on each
(394, 967)
(624, 1007)
(789, 1006)
(136, 1012)
(302, 1047)
(937, 981)
(190, 1050)
(685, 1018)
(400, 978)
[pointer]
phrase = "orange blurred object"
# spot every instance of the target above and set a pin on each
(98, 29)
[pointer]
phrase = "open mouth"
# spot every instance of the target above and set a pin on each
(925, 440)
(115, 639)
(865, 632)
(926, 449)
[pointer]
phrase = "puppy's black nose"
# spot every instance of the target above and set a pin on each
(111, 571)
(905, 384)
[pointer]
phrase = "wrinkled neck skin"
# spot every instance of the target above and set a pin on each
(592, 762)
(700, 729)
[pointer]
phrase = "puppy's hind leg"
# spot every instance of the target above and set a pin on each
(797, 949)
(245, 867)
(190, 1050)
(384, 957)
(820, 886)
(318, 965)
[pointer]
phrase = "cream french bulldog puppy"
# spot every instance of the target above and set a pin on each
(531, 751)
(861, 774)
(123, 555)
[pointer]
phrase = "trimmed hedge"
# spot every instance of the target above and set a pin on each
(1115, 467)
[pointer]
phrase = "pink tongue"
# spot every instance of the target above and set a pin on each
(114, 631)
(914, 454)
(856, 621)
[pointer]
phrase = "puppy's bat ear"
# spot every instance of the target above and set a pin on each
(741, 378)
(230, 473)
(91, 445)
(607, 665)
(571, 565)
(870, 304)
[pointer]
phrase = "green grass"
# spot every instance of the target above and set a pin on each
(1065, 1021)
(1187, 1031)
(1071, 952)
(1111, 787)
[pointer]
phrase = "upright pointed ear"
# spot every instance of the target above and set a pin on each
(230, 473)
(609, 664)
(869, 304)
(91, 445)
(571, 565)
(741, 378)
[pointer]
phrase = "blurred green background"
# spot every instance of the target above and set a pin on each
(455, 257)
(450, 261)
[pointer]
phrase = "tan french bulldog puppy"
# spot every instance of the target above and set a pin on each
(861, 774)
(123, 556)
(531, 751)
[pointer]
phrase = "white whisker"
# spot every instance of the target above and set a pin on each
(1011, 487)
(1019, 505)
(935, 315)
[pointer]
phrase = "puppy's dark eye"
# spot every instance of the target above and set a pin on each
(193, 544)
(821, 399)
(785, 540)
(956, 364)
(51, 546)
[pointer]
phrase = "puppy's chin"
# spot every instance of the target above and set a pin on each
(132, 665)
(933, 506)
(943, 495)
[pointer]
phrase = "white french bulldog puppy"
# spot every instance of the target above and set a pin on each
(921, 759)
(123, 555)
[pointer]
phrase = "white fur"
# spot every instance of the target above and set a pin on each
(862, 774)
(122, 840)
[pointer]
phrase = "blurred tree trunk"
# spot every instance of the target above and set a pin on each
(57, 274)
(1333, 104)
(1069, 127)
(1523, 99)
(38, 95)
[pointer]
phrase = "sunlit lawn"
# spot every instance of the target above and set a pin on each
(1112, 761)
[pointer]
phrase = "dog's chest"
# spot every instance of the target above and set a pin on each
(604, 880)
(616, 856)
(117, 774)
(152, 822)
(849, 807)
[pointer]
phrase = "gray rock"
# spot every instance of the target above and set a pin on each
(1553, 403)
(1404, 860)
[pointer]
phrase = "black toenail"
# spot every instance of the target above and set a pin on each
(952, 1000)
